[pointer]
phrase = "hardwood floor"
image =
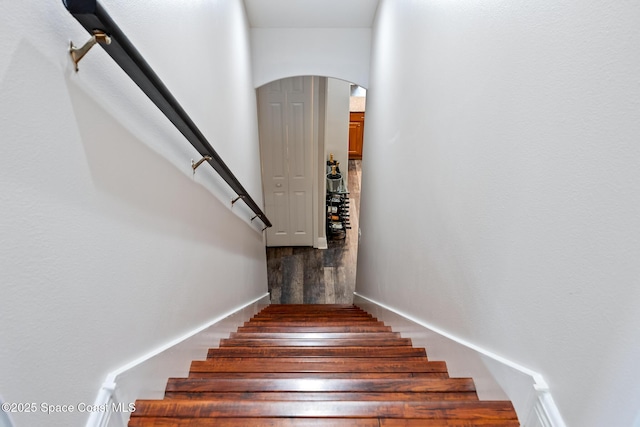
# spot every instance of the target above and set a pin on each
(303, 275)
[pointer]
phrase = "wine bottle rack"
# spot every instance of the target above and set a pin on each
(337, 202)
(337, 215)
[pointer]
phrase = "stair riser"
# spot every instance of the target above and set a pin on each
(388, 351)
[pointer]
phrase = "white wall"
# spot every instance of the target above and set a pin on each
(337, 124)
(109, 247)
(509, 212)
(341, 53)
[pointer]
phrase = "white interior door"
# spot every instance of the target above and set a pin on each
(286, 146)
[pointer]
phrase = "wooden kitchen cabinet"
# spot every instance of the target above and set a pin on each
(356, 135)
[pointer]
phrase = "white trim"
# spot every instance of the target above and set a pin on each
(322, 243)
(315, 193)
(541, 410)
(111, 390)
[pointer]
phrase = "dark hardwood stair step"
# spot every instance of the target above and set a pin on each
(315, 312)
(317, 364)
(253, 422)
(384, 351)
(302, 323)
(308, 306)
(301, 306)
(314, 319)
(469, 410)
(321, 313)
(313, 335)
(319, 375)
(316, 396)
(406, 384)
(315, 422)
(391, 422)
(316, 328)
(353, 342)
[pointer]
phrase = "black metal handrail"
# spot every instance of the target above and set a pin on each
(93, 17)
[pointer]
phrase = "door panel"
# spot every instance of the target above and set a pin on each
(299, 212)
(297, 141)
(281, 219)
(278, 151)
(286, 144)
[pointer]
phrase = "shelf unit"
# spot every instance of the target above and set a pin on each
(337, 214)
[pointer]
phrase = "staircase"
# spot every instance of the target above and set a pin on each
(319, 366)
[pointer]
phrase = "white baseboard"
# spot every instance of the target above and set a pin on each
(321, 243)
(496, 378)
(146, 377)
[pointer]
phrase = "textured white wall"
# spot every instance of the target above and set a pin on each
(342, 53)
(500, 186)
(109, 247)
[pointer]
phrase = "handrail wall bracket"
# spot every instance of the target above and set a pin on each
(241, 196)
(77, 53)
(95, 19)
(194, 165)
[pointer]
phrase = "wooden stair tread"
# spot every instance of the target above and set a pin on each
(391, 422)
(253, 422)
(316, 328)
(302, 311)
(345, 409)
(319, 375)
(302, 323)
(405, 384)
(319, 364)
(314, 335)
(301, 308)
(305, 311)
(314, 422)
(316, 396)
(319, 342)
(385, 351)
(314, 319)
(310, 307)
(316, 313)
(352, 312)
(314, 316)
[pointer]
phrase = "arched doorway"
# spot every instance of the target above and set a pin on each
(300, 273)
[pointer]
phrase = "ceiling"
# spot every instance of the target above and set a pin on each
(311, 13)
